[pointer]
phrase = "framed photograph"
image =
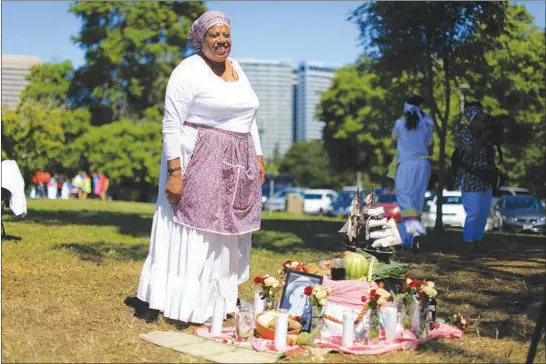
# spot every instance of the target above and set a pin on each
(294, 299)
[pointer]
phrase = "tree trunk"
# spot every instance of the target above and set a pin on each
(442, 133)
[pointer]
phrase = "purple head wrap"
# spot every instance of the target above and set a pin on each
(200, 26)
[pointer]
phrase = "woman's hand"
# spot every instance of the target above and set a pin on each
(261, 167)
(174, 187)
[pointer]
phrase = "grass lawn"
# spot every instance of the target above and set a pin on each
(65, 281)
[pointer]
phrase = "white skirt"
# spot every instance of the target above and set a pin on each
(187, 270)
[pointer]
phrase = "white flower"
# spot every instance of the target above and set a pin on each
(322, 302)
(271, 282)
(429, 291)
(321, 295)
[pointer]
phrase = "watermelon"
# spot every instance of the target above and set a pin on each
(356, 266)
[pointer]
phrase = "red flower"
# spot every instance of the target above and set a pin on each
(308, 291)
(406, 275)
(372, 293)
(296, 318)
(287, 263)
(436, 325)
(364, 299)
(300, 267)
(259, 280)
(414, 284)
(376, 297)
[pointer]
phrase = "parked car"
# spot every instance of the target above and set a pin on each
(277, 202)
(318, 201)
(341, 206)
(522, 213)
(510, 191)
(389, 204)
(453, 213)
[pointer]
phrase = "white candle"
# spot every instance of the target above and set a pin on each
(390, 313)
(348, 329)
(281, 329)
(415, 316)
(259, 302)
(217, 317)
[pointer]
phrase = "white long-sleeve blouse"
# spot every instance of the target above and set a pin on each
(197, 95)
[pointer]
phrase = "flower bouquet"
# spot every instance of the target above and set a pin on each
(420, 297)
(318, 296)
(375, 299)
(269, 290)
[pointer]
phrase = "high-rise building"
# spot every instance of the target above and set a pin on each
(273, 83)
(314, 79)
(14, 70)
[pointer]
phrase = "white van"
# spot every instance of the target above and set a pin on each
(317, 202)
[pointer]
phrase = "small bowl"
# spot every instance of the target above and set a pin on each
(294, 328)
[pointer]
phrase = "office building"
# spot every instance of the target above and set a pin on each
(14, 70)
(313, 79)
(273, 83)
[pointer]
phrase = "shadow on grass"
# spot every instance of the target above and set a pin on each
(443, 347)
(142, 311)
(132, 224)
(290, 236)
(96, 252)
(8, 237)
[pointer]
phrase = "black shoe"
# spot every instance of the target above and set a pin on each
(415, 245)
(152, 316)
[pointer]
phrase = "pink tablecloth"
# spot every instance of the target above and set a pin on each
(407, 340)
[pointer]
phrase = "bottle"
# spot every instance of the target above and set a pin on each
(431, 314)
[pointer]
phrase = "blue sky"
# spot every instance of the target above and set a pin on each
(292, 31)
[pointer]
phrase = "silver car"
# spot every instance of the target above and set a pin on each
(522, 214)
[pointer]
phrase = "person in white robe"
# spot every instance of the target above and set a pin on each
(412, 136)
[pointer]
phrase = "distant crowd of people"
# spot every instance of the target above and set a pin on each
(82, 186)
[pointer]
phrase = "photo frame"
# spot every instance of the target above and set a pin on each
(293, 298)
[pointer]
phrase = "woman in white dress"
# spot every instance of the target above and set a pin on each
(212, 170)
(412, 136)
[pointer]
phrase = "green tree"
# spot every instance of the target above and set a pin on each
(38, 137)
(131, 47)
(127, 152)
(309, 164)
(359, 110)
(429, 40)
(49, 84)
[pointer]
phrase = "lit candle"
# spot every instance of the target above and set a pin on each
(348, 329)
(281, 329)
(259, 302)
(217, 317)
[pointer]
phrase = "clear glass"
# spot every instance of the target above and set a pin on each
(244, 323)
(337, 263)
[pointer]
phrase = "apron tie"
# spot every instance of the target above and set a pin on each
(239, 168)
